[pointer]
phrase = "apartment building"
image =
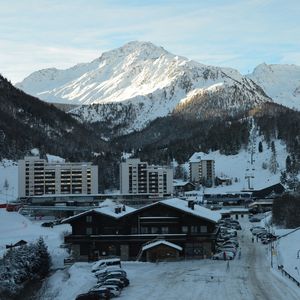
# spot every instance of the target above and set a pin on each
(138, 177)
(202, 170)
(39, 177)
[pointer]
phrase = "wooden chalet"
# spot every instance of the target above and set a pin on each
(172, 226)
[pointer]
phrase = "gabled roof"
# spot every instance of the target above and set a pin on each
(198, 210)
(107, 207)
(181, 183)
(160, 242)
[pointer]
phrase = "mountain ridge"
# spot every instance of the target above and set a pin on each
(139, 82)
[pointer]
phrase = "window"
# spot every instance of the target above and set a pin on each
(194, 229)
(89, 230)
(144, 230)
(89, 219)
(165, 229)
(154, 230)
(203, 228)
(134, 230)
(184, 229)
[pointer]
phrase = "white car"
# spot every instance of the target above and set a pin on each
(104, 263)
(220, 256)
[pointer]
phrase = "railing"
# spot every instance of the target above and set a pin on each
(284, 272)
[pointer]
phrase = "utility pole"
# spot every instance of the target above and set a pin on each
(251, 150)
(5, 187)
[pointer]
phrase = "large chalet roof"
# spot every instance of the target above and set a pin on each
(107, 207)
(198, 210)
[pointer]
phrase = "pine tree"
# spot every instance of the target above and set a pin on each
(260, 147)
(273, 165)
(43, 256)
(288, 164)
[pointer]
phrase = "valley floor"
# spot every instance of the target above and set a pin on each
(248, 278)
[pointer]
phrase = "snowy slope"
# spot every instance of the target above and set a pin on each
(138, 81)
(235, 166)
(15, 227)
(280, 82)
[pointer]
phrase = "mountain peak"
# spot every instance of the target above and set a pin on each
(139, 49)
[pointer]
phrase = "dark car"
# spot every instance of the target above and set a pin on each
(254, 219)
(48, 224)
(122, 281)
(102, 294)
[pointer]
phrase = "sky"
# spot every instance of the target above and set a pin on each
(37, 34)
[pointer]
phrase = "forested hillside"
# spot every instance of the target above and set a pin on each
(26, 123)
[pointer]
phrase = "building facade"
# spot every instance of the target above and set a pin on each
(126, 232)
(138, 177)
(202, 171)
(39, 177)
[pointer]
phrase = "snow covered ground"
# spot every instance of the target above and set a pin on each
(247, 278)
(288, 252)
(15, 227)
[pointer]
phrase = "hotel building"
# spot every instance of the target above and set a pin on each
(39, 177)
(138, 177)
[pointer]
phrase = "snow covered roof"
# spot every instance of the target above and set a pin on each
(159, 242)
(198, 210)
(180, 183)
(198, 156)
(107, 207)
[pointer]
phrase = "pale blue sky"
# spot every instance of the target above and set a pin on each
(36, 34)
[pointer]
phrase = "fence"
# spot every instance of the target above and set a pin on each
(284, 272)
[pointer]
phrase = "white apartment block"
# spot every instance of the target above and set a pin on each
(39, 177)
(202, 170)
(138, 177)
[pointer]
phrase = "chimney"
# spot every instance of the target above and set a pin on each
(116, 210)
(191, 204)
(124, 208)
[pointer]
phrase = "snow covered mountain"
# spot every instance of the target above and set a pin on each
(280, 82)
(138, 83)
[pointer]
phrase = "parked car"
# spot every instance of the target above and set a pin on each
(256, 227)
(115, 275)
(108, 270)
(259, 230)
(116, 281)
(254, 219)
(220, 256)
(114, 290)
(231, 242)
(236, 226)
(261, 233)
(101, 294)
(103, 263)
(47, 224)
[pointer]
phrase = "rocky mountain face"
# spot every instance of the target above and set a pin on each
(280, 82)
(130, 86)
